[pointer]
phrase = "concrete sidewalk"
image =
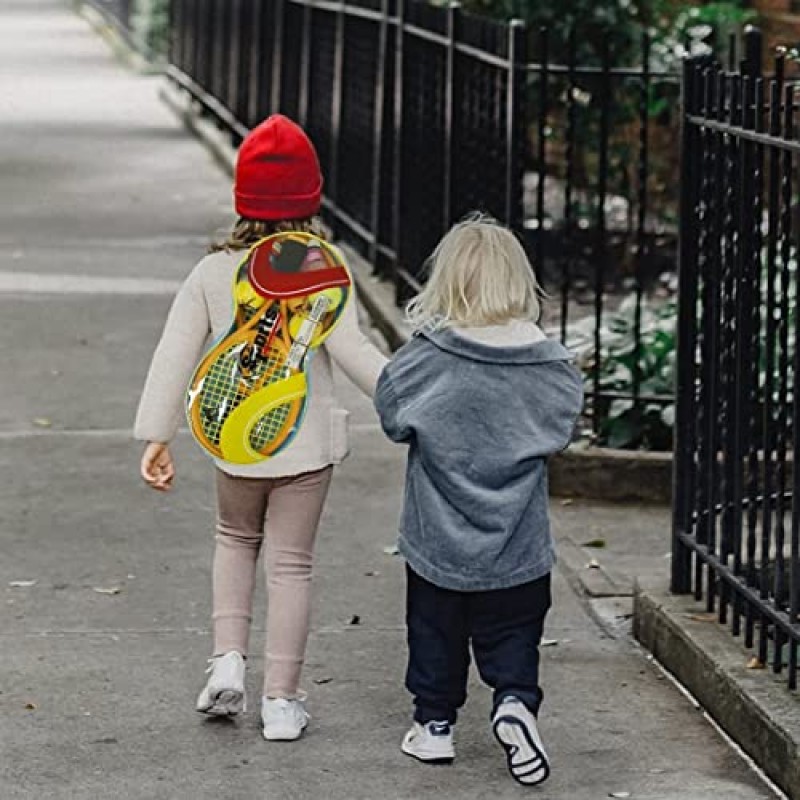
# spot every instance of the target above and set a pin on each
(106, 205)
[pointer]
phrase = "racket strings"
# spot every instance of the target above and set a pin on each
(227, 386)
(228, 382)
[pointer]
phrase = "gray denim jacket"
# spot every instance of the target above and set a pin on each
(480, 421)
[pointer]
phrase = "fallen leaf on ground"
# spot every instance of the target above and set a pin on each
(756, 663)
(703, 617)
(595, 543)
(42, 422)
(22, 584)
(391, 550)
(321, 681)
(106, 589)
(548, 643)
(31, 706)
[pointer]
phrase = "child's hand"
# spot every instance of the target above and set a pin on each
(157, 468)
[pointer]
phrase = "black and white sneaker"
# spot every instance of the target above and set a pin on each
(515, 728)
(431, 742)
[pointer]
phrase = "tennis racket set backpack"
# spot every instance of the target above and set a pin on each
(247, 397)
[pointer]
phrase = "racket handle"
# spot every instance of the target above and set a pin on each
(306, 332)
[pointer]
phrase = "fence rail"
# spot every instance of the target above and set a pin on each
(421, 114)
(736, 516)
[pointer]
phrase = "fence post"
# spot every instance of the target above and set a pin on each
(254, 83)
(542, 145)
(336, 105)
(220, 35)
(397, 193)
(235, 33)
(569, 182)
(377, 134)
(305, 64)
(211, 37)
(277, 56)
(685, 389)
(200, 51)
(753, 51)
(515, 123)
(450, 78)
(641, 215)
(176, 30)
(747, 280)
(601, 253)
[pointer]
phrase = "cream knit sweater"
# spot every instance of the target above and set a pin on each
(201, 313)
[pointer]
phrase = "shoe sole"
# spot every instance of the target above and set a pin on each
(521, 751)
(435, 760)
(226, 703)
(283, 737)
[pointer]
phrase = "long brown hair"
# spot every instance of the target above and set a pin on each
(246, 232)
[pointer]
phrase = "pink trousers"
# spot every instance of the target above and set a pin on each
(282, 514)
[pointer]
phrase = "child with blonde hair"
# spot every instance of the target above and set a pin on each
(482, 398)
(278, 188)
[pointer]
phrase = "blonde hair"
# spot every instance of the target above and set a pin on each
(479, 275)
(246, 232)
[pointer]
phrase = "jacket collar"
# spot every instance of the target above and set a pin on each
(543, 352)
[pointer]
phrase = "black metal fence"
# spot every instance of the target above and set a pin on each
(737, 519)
(601, 224)
(421, 114)
(413, 109)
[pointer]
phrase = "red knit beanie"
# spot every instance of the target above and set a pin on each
(277, 172)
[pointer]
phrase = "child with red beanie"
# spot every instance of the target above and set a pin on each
(278, 187)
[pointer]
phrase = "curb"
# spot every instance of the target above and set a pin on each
(593, 579)
(614, 476)
(752, 706)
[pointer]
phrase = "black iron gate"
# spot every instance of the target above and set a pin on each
(736, 517)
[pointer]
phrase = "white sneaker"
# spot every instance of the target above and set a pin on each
(431, 742)
(284, 719)
(223, 695)
(515, 728)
